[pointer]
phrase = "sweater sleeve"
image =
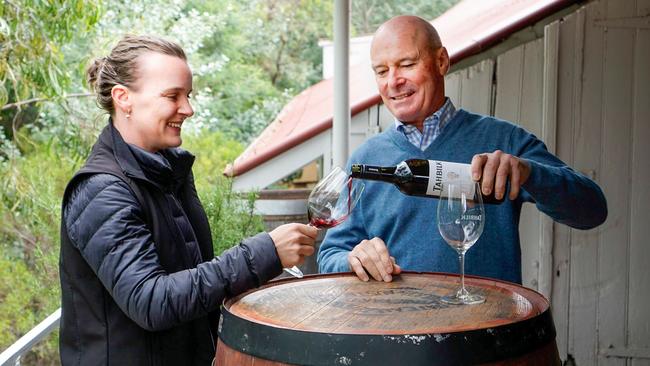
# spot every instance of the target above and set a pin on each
(104, 222)
(565, 195)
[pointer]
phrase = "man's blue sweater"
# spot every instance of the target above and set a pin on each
(407, 224)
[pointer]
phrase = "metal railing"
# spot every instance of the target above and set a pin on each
(11, 356)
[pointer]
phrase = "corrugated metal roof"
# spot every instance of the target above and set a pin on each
(468, 28)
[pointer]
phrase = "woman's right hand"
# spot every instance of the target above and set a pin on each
(293, 242)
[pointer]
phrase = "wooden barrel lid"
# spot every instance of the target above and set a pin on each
(342, 310)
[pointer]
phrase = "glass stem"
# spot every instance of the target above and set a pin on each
(461, 259)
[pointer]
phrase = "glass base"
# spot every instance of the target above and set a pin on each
(462, 297)
(294, 271)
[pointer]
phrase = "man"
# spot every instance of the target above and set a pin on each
(389, 231)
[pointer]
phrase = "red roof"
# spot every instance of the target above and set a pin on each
(468, 28)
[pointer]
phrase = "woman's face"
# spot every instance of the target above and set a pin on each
(159, 101)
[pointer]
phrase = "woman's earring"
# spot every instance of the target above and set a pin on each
(128, 114)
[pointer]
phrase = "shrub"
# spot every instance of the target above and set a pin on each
(230, 214)
(30, 193)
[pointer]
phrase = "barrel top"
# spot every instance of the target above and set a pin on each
(410, 304)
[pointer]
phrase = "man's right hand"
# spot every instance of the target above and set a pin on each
(371, 257)
(293, 242)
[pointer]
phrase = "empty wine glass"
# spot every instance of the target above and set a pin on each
(461, 218)
(331, 202)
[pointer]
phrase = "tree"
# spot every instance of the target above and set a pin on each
(32, 33)
(367, 15)
(263, 53)
(285, 40)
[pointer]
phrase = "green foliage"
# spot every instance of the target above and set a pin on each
(213, 151)
(284, 39)
(31, 185)
(242, 110)
(259, 55)
(24, 302)
(31, 35)
(16, 294)
(231, 215)
(367, 15)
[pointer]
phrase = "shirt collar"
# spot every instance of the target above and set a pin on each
(441, 116)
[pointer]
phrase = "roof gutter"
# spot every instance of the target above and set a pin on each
(233, 170)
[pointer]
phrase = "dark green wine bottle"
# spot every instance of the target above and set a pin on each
(424, 178)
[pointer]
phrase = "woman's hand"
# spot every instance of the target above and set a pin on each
(293, 242)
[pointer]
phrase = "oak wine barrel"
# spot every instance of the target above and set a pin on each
(336, 319)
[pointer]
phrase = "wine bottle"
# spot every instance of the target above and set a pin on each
(420, 177)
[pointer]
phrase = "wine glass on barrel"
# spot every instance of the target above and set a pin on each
(461, 218)
(331, 202)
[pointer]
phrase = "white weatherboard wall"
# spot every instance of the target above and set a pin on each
(471, 87)
(514, 93)
(519, 98)
(584, 88)
(607, 137)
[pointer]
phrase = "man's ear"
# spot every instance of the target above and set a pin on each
(443, 61)
(121, 98)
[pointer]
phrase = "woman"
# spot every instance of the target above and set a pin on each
(140, 284)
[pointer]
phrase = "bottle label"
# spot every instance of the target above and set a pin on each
(442, 173)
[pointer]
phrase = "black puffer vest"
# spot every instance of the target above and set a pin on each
(94, 330)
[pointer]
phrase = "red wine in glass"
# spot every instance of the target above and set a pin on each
(329, 204)
(322, 223)
(320, 215)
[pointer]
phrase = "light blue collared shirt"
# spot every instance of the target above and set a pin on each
(433, 125)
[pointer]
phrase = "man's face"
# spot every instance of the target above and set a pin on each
(409, 75)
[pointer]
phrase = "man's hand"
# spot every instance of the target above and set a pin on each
(371, 257)
(495, 169)
(293, 242)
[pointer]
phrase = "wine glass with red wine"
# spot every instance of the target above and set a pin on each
(331, 202)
